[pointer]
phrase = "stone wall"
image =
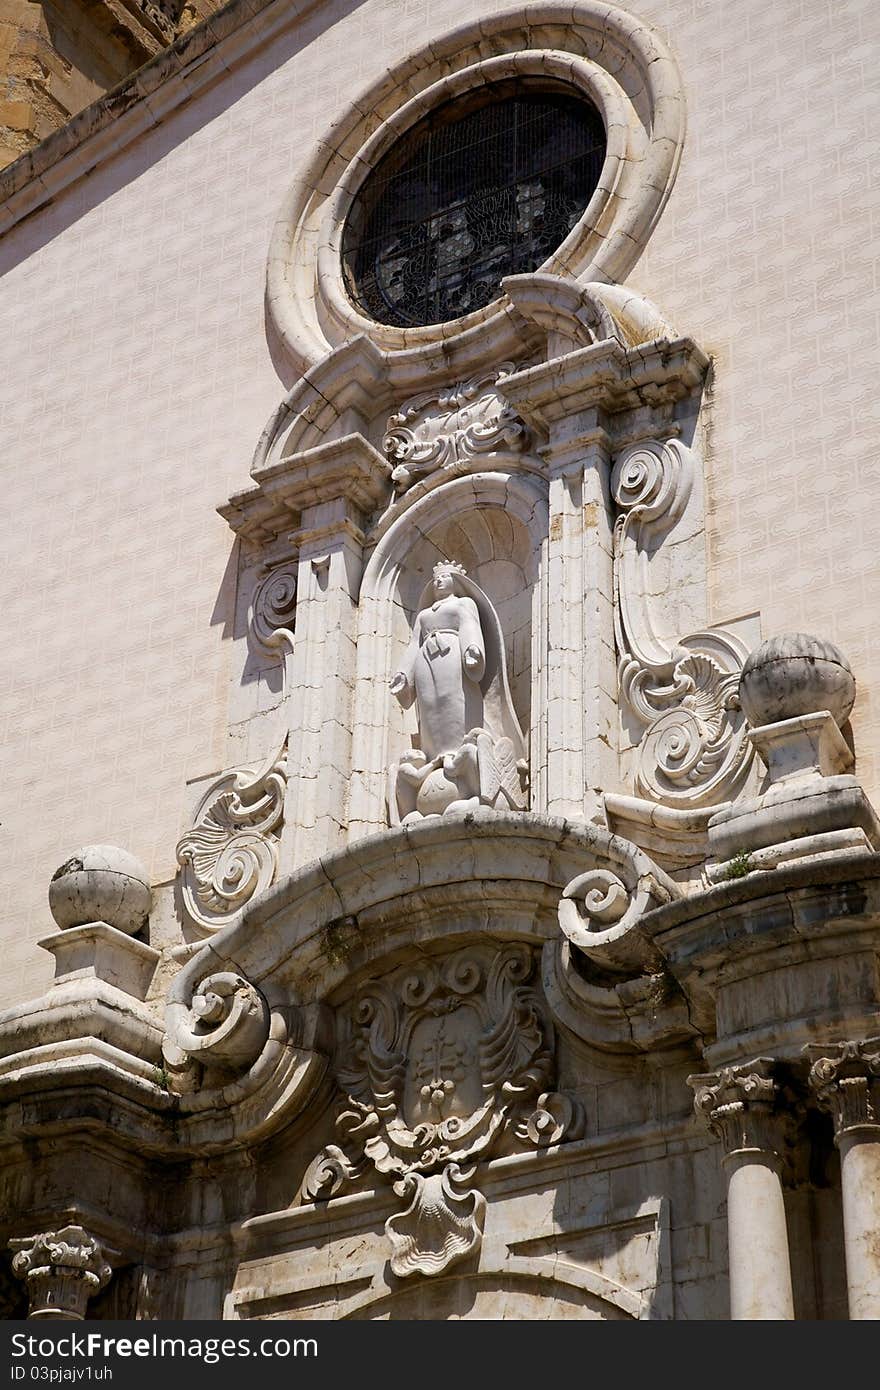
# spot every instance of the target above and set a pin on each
(138, 376)
(57, 56)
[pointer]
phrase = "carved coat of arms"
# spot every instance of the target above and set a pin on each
(442, 1065)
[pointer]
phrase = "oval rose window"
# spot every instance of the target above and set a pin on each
(486, 186)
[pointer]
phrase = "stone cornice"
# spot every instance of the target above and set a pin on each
(133, 107)
(856, 868)
(716, 941)
(347, 469)
(607, 377)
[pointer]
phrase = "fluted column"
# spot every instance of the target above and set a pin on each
(845, 1077)
(739, 1106)
(62, 1270)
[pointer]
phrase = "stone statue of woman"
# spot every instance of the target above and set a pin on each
(471, 749)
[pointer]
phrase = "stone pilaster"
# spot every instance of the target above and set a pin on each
(845, 1078)
(739, 1105)
(319, 499)
(565, 399)
(336, 486)
(62, 1270)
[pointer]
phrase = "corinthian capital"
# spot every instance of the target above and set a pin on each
(738, 1105)
(62, 1270)
(845, 1078)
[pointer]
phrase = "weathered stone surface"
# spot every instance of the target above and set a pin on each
(796, 674)
(57, 57)
(101, 883)
(440, 1069)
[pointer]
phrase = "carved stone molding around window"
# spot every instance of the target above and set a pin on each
(455, 425)
(596, 52)
(62, 1271)
(442, 1063)
(693, 751)
(231, 854)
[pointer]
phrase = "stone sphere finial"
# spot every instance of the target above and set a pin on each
(795, 674)
(100, 883)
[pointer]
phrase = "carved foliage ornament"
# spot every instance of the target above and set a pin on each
(231, 853)
(846, 1079)
(62, 1270)
(738, 1104)
(693, 751)
(463, 422)
(443, 1065)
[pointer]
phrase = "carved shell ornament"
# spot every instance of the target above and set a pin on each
(442, 1066)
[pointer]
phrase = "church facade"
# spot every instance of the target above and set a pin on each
(440, 728)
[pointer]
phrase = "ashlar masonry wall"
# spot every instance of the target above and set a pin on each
(138, 373)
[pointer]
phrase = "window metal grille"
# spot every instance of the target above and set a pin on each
(484, 187)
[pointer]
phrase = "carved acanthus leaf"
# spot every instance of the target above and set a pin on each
(442, 1065)
(438, 429)
(231, 853)
(845, 1077)
(739, 1106)
(62, 1270)
(328, 1173)
(693, 751)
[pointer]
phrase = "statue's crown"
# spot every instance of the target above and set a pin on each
(449, 567)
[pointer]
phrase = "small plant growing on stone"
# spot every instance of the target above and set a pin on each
(337, 940)
(662, 990)
(740, 865)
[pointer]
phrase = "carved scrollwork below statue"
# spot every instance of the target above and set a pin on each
(472, 751)
(441, 1066)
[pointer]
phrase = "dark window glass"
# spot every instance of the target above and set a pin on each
(484, 187)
